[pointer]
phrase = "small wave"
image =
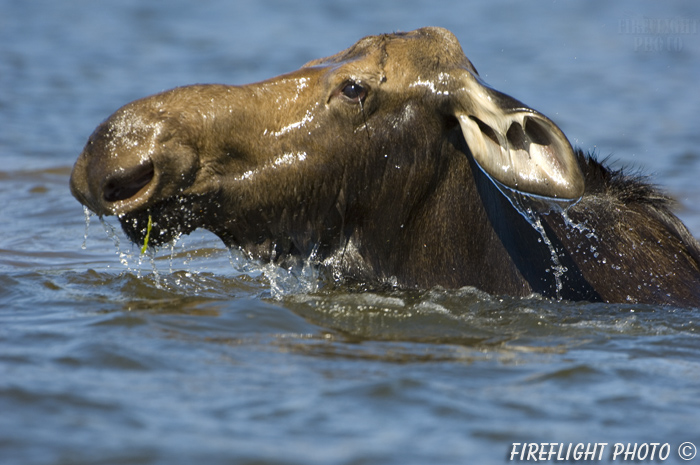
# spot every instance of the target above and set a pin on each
(199, 266)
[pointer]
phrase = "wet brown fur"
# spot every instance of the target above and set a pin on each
(386, 191)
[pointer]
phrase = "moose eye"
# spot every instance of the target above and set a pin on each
(353, 91)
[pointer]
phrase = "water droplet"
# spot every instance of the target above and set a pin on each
(88, 214)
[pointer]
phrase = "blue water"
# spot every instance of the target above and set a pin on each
(195, 356)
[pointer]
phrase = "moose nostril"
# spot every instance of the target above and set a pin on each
(486, 129)
(516, 136)
(536, 132)
(126, 184)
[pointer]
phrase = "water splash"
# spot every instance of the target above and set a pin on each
(296, 276)
(237, 258)
(302, 277)
(582, 228)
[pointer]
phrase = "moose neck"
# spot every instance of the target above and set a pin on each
(447, 213)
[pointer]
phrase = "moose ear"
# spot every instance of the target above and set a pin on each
(515, 145)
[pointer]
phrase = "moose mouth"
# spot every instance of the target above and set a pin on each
(129, 192)
(169, 219)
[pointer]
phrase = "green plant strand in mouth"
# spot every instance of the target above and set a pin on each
(148, 233)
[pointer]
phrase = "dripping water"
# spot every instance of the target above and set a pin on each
(151, 252)
(175, 278)
(88, 215)
(112, 234)
(531, 207)
(172, 244)
(139, 265)
(150, 255)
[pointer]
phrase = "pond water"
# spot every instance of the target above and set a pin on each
(195, 356)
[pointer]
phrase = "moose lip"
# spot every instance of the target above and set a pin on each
(135, 225)
(170, 218)
(162, 231)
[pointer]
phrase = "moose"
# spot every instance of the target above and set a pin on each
(390, 162)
